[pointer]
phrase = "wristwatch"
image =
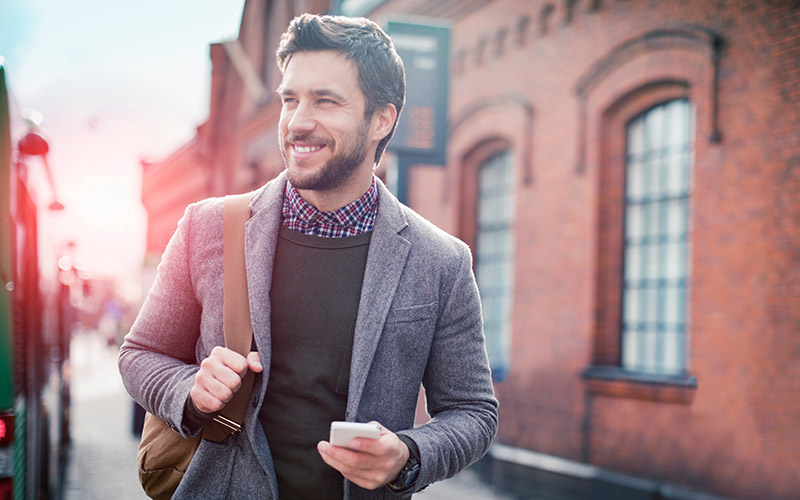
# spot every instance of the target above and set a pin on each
(407, 477)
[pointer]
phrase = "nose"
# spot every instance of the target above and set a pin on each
(301, 119)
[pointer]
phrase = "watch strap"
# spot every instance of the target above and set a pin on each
(407, 478)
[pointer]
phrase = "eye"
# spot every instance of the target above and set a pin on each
(326, 101)
(288, 100)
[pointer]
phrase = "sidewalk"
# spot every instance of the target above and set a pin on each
(102, 458)
(466, 485)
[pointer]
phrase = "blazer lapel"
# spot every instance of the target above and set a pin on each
(386, 259)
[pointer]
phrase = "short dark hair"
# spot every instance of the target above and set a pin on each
(381, 76)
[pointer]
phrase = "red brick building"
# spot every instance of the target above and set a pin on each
(627, 173)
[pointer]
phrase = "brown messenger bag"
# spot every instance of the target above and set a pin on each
(164, 455)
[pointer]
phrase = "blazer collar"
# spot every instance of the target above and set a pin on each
(269, 195)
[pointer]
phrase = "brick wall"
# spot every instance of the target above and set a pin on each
(580, 76)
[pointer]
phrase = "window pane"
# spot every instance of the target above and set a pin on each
(673, 260)
(679, 123)
(651, 262)
(650, 305)
(654, 132)
(675, 217)
(658, 177)
(480, 276)
(651, 220)
(675, 181)
(669, 355)
(635, 181)
(630, 350)
(647, 173)
(636, 140)
(633, 224)
(483, 248)
(648, 350)
(633, 263)
(632, 313)
(672, 310)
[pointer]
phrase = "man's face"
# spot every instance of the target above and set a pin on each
(323, 135)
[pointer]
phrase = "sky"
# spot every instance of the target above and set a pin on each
(115, 82)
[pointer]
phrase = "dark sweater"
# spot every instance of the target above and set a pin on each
(316, 286)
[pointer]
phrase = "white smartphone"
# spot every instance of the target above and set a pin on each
(343, 432)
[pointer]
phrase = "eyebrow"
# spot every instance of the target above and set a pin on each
(282, 91)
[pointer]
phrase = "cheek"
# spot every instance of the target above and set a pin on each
(283, 123)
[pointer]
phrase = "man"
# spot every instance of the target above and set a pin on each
(355, 301)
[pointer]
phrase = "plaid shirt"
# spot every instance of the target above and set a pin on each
(353, 219)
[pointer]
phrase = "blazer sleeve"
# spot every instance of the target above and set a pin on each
(157, 359)
(458, 386)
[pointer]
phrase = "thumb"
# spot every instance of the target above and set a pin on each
(254, 362)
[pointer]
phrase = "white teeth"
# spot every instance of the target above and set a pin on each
(306, 149)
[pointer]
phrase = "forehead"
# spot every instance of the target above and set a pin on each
(326, 69)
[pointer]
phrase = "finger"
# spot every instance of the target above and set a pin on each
(229, 378)
(345, 458)
(226, 357)
(355, 460)
(254, 362)
(327, 452)
(384, 445)
(223, 390)
(220, 390)
(205, 401)
(365, 477)
(234, 361)
(371, 446)
(212, 368)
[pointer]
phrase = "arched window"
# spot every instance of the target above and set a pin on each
(494, 255)
(659, 158)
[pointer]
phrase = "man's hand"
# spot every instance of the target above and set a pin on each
(220, 376)
(369, 463)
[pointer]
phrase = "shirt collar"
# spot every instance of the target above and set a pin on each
(296, 207)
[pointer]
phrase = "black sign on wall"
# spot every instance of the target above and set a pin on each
(422, 128)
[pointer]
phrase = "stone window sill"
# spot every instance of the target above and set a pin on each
(616, 382)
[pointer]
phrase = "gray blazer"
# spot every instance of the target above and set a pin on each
(419, 322)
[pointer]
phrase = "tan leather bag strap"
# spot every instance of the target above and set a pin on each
(236, 306)
(236, 313)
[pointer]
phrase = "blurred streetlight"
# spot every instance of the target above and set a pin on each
(34, 144)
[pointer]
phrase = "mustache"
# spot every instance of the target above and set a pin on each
(311, 138)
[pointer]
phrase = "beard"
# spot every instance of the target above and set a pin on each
(338, 170)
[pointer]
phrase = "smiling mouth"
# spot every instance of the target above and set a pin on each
(307, 149)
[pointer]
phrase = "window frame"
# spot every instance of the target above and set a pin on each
(471, 164)
(606, 374)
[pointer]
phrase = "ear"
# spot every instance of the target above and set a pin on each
(382, 121)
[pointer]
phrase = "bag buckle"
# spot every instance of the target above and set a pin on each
(229, 425)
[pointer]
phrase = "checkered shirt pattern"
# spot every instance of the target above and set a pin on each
(352, 219)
